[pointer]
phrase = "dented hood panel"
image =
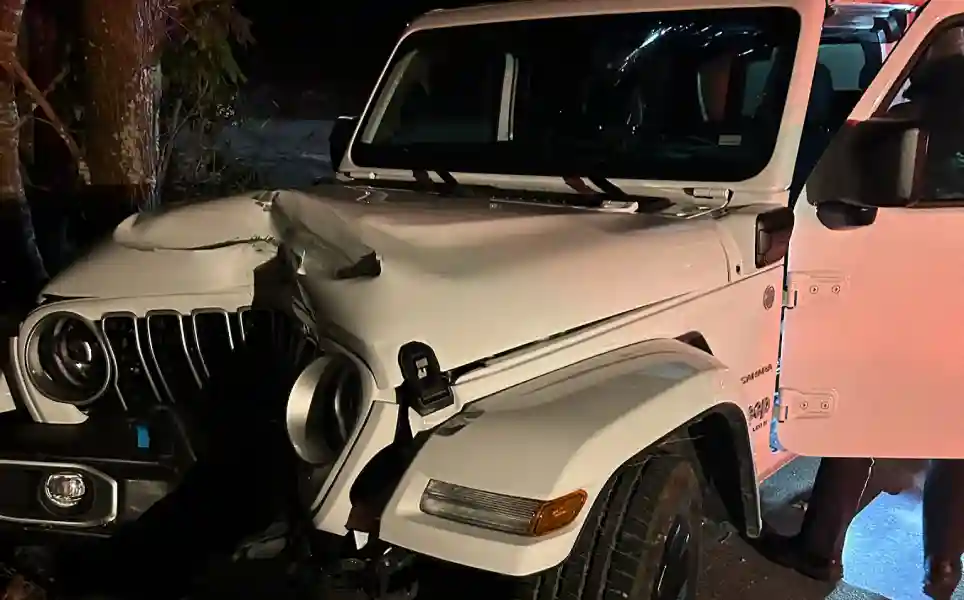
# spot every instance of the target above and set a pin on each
(476, 277)
(208, 247)
(205, 225)
(471, 277)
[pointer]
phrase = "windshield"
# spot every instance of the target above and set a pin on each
(685, 95)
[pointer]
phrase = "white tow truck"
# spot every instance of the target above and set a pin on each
(549, 290)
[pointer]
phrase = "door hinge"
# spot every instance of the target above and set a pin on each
(805, 405)
(804, 286)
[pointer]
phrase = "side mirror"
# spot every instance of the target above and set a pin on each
(339, 138)
(839, 216)
(889, 156)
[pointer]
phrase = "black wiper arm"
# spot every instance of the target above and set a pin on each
(449, 185)
(607, 190)
(610, 189)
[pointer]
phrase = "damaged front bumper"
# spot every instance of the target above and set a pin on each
(86, 479)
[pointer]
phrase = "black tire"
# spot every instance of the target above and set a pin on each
(641, 541)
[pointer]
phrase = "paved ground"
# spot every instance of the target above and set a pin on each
(883, 552)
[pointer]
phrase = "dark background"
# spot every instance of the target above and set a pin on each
(331, 46)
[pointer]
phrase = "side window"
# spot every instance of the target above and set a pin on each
(847, 62)
(932, 95)
(848, 67)
(757, 73)
(735, 86)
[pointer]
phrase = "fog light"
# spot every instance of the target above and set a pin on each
(499, 512)
(65, 490)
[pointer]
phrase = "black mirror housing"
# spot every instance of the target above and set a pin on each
(339, 139)
(889, 156)
(841, 216)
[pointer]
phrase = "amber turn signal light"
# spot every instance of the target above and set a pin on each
(556, 514)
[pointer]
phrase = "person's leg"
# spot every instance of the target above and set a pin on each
(834, 502)
(943, 527)
(817, 551)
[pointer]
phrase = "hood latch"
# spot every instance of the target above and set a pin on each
(425, 387)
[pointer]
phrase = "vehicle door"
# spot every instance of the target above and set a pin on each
(871, 356)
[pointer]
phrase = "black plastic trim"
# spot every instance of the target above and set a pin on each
(772, 239)
(114, 448)
(425, 388)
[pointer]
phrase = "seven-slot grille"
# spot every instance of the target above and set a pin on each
(166, 356)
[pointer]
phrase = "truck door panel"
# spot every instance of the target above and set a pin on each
(871, 360)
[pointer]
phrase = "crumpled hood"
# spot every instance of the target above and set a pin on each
(475, 277)
(471, 277)
(226, 238)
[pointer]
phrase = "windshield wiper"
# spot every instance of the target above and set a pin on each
(449, 185)
(610, 189)
(608, 195)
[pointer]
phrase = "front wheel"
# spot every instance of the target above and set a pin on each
(642, 539)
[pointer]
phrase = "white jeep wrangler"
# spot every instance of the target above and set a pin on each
(549, 289)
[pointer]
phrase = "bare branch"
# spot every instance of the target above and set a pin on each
(50, 88)
(16, 70)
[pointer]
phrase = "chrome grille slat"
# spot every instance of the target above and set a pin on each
(191, 349)
(187, 350)
(141, 337)
(175, 367)
(133, 379)
(197, 343)
(168, 357)
(160, 374)
(113, 359)
(212, 332)
(242, 320)
(237, 329)
(252, 320)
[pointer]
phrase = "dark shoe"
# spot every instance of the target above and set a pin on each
(943, 576)
(789, 552)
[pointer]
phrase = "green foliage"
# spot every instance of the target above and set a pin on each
(198, 59)
(201, 81)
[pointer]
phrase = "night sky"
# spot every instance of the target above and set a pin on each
(310, 43)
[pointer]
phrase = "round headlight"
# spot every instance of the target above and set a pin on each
(324, 407)
(67, 359)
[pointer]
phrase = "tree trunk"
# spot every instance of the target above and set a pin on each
(21, 266)
(51, 167)
(123, 95)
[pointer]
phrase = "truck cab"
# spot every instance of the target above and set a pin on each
(591, 271)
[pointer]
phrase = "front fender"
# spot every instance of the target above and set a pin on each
(567, 430)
